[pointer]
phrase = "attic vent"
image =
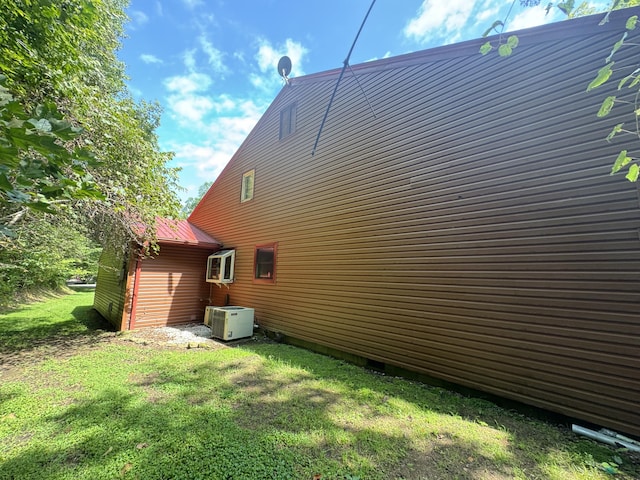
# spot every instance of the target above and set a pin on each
(287, 121)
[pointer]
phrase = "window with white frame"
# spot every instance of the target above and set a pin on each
(248, 180)
(220, 267)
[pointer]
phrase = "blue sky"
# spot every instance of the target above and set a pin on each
(212, 63)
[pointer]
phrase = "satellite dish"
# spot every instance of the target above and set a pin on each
(284, 68)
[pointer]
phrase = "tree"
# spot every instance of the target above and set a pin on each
(191, 202)
(59, 60)
(73, 143)
(45, 252)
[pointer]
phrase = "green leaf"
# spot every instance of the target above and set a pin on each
(617, 129)
(513, 41)
(42, 124)
(635, 82)
(632, 174)
(41, 207)
(504, 50)
(495, 26)
(603, 75)
(612, 7)
(486, 48)
(5, 184)
(616, 47)
(63, 129)
(620, 162)
(623, 81)
(606, 106)
(566, 7)
(631, 23)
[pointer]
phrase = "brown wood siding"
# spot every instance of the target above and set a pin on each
(470, 232)
(172, 287)
(109, 298)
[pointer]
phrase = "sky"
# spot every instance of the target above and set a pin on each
(211, 64)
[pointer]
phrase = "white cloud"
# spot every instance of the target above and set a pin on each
(531, 17)
(137, 18)
(189, 59)
(222, 135)
(207, 159)
(187, 100)
(438, 18)
(488, 13)
(193, 82)
(192, 3)
(189, 108)
(386, 55)
(148, 58)
(220, 121)
(235, 120)
(214, 55)
(268, 56)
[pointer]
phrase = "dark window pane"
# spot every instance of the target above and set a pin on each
(265, 263)
(227, 268)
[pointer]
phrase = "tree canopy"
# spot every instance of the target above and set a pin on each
(71, 136)
(75, 147)
(191, 202)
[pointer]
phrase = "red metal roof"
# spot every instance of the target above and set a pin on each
(181, 231)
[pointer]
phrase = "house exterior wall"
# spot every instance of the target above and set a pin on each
(172, 287)
(470, 231)
(113, 274)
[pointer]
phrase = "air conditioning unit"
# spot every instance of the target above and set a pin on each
(229, 323)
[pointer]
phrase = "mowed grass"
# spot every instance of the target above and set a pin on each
(77, 402)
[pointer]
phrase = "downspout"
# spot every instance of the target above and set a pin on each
(134, 297)
(609, 437)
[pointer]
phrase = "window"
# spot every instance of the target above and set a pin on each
(265, 263)
(247, 185)
(220, 266)
(287, 121)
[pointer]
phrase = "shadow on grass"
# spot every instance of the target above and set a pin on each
(273, 411)
(534, 447)
(29, 332)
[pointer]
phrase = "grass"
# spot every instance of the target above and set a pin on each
(78, 402)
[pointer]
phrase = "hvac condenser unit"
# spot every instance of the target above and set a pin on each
(229, 323)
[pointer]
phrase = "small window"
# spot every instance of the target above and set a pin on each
(265, 263)
(247, 186)
(220, 266)
(287, 121)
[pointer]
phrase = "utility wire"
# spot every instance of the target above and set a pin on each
(344, 67)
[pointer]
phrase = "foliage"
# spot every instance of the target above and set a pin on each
(631, 80)
(44, 252)
(36, 170)
(72, 140)
(113, 408)
(191, 202)
(629, 88)
(66, 87)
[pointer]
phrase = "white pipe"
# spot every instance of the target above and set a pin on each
(616, 442)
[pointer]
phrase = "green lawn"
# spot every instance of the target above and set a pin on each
(77, 402)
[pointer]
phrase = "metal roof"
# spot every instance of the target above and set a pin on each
(183, 232)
